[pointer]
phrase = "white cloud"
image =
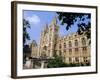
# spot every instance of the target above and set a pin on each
(34, 19)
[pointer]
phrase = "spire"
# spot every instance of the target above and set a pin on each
(46, 27)
(34, 43)
(54, 21)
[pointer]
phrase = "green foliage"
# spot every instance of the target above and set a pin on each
(71, 18)
(25, 34)
(56, 62)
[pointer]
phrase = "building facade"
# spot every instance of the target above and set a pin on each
(73, 48)
(34, 49)
(48, 39)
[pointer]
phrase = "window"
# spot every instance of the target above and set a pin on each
(76, 42)
(64, 45)
(75, 35)
(70, 51)
(60, 46)
(70, 44)
(64, 51)
(45, 48)
(84, 50)
(76, 50)
(83, 41)
(55, 29)
(51, 29)
(77, 59)
(70, 59)
(85, 59)
(69, 37)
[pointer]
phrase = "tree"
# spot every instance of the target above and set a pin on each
(26, 36)
(26, 51)
(71, 18)
(56, 62)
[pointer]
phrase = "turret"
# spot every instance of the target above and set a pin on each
(54, 21)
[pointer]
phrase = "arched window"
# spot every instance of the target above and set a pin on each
(70, 44)
(83, 41)
(76, 50)
(70, 51)
(64, 45)
(84, 50)
(45, 48)
(76, 42)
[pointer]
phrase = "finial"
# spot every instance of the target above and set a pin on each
(54, 20)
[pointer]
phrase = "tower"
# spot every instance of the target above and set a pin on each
(53, 35)
(48, 39)
(33, 47)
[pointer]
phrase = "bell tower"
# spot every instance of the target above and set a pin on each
(48, 39)
(53, 35)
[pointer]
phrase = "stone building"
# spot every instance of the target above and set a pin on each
(34, 48)
(73, 48)
(48, 39)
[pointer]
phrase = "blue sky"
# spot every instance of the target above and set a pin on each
(38, 20)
